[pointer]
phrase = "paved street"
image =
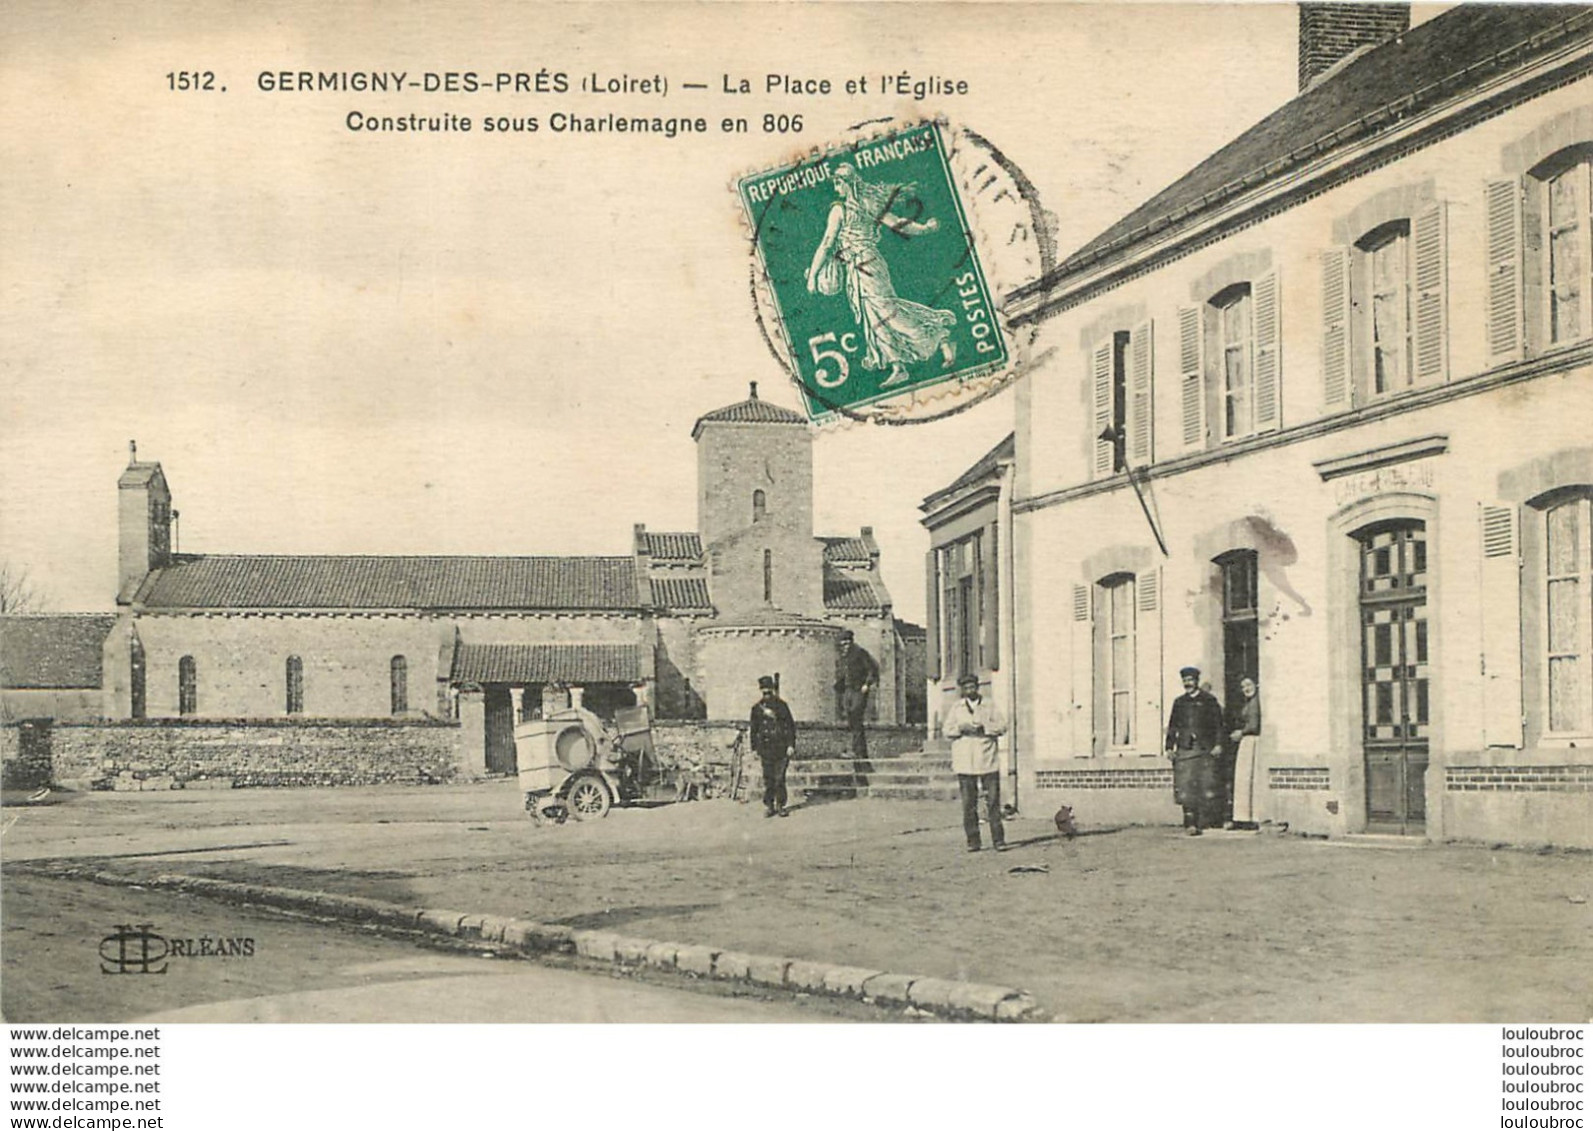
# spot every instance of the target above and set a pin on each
(303, 971)
(1133, 924)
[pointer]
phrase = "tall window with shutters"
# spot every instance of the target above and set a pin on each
(1115, 645)
(1540, 257)
(1385, 311)
(1122, 394)
(1229, 363)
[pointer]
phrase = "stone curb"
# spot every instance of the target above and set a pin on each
(950, 999)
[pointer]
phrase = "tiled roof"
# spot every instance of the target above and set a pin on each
(986, 464)
(852, 595)
(53, 651)
(846, 551)
(224, 581)
(681, 594)
(1447, 56)
(750, 411)
(683, 547)
(549, 663)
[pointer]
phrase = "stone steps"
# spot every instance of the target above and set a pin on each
(923, 776)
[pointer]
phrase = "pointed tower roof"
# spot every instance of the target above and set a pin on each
(750, 411)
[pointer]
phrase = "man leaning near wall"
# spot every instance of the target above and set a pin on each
(858, 676)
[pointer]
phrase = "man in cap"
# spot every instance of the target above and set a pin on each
(974, 725)
(773, 734)
(857, 676)
(1194, 734)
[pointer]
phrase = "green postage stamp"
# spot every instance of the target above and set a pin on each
(873, 271)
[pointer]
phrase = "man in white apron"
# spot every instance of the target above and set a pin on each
(974, 725)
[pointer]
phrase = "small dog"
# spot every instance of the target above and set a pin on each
(1064, 822)
(545, 807)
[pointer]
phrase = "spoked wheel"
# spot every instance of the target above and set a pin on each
(588, 798)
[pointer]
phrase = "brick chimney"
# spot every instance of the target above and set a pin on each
(1331, 33)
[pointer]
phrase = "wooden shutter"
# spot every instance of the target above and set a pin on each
(1191, 373)
(1336, 388)
(1100, 373)
(1429, 246)
(1268, 331)
(932, 644)
(1499, 611)
(990, 608)
(1140, 405)
(1148, 662)
(1505, 320)
(1081, 649)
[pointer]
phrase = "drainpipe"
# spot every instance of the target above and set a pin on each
(1006, 622)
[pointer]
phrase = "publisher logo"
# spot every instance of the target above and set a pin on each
(136, 948)
(133, 949)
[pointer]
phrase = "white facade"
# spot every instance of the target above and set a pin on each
(1240, 357)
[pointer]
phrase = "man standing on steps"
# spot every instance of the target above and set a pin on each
(974, 725)
(857, 677)
(773, 736)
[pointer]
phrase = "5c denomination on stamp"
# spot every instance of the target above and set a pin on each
(873, 271)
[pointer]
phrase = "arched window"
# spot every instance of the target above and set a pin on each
(1540, 256)
(1118, 630)
(1385, 321)
(295, 686)
(187, 686)
(1236, 360)
(136, 703)
(1567, 203)
(1386, 268)
(1567, 641)
(759, 505)
(768, 575)
(1240, 628)
(399, 672)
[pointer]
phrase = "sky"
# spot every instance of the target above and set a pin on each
(346, 342)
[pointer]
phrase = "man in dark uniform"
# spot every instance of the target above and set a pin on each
(773, 734)
(1194, 736)
(858, 675)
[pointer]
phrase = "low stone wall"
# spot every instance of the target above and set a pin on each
(17, 772)
(211, 753)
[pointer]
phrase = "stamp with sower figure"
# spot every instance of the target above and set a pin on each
(873, 271)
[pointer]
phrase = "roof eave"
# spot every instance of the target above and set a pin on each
(1293, 175)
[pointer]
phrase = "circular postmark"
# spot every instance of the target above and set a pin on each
(877, 266)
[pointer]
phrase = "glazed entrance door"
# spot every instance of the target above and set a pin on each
(1394, 675)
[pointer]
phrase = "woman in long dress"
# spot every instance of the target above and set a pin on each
(896, 332)
(1245, 734)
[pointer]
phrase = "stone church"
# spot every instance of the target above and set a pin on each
(685, 622)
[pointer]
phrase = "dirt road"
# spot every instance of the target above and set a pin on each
(1128, 924)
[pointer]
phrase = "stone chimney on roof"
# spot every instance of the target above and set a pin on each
(1331, 33)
